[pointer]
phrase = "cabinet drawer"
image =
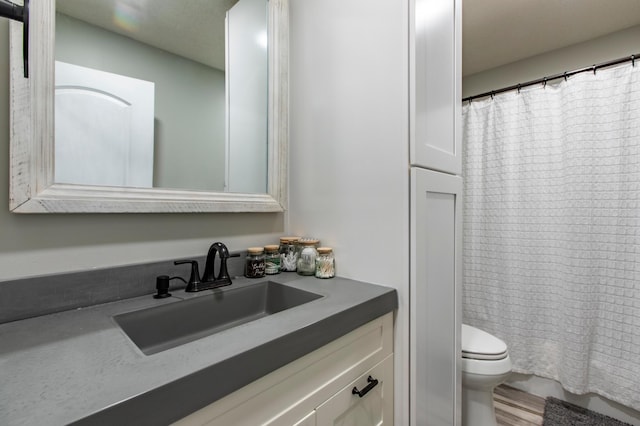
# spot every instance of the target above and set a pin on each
(308, 420)
(372, 406)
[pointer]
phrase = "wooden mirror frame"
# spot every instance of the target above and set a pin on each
(31, 158)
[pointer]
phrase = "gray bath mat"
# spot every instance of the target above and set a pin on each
(562, 413)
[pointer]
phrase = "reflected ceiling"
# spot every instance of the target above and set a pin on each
(153, 22)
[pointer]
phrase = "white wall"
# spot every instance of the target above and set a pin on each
(349, 145)
(41, 244)
(602, 49)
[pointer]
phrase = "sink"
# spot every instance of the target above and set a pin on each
(164, 327)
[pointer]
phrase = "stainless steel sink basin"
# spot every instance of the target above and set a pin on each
(163, 327)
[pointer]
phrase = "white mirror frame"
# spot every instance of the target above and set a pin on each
(32, 189)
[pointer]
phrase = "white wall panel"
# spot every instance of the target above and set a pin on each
(349, 144)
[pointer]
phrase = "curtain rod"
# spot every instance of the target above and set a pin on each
(564, 75)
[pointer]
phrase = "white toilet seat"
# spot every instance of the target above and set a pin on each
(484, 357)
(486, 368)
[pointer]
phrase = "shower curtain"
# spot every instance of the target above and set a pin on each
(552, 229)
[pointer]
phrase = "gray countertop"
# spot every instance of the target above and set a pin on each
(79, 366)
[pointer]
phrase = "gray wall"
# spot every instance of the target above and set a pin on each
(40, 244)
(189, 128)
(602, 49)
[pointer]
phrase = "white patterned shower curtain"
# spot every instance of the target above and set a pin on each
(552, 229)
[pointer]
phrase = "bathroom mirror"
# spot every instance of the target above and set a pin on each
(36, 187)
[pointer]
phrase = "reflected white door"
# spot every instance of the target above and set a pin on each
(104, 128)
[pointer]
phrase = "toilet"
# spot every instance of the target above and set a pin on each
(485, 365)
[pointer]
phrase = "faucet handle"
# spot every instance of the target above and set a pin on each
(194, 279)
(223, 275)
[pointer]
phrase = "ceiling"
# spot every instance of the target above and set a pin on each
(498, 32)
(495, 32)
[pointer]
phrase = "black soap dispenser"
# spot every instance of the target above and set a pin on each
(162, 285)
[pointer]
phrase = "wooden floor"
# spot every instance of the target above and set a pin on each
(517, 408)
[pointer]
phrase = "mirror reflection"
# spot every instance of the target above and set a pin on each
(162, 93)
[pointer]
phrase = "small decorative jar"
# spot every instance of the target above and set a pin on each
(288, 254)
(308, 254)
(254, 264)
(271, 260)
(325, 263)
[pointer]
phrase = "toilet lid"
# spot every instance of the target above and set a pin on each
(478, 344)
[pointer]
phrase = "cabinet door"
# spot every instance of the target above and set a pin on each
(436, 243)
(375, 407)
(436, 85)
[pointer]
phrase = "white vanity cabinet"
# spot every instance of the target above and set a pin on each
(317, 388)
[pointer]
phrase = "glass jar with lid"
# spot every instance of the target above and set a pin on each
(288, 254)
(271, 260)
(254, 263)
(307, 257)
(325, 263)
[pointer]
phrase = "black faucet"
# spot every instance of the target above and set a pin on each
(209, 279)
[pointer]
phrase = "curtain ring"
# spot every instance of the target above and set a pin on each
(492, 93)
(565, 76)
(594, 69)
(633, 60)
(518, 88)
(544, 83)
